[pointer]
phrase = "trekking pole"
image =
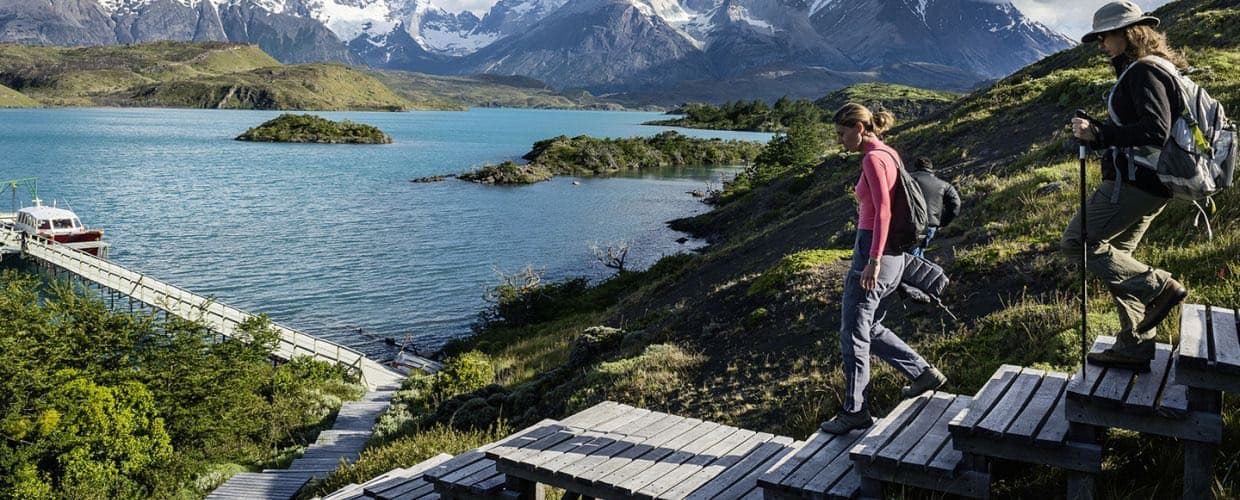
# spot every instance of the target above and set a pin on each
(1084, 254)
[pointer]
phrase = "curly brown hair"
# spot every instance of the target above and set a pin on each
(1143, 40)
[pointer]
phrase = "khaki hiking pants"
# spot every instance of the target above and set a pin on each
(1115, 229)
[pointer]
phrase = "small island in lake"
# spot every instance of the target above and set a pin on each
(583, 155)
(314, 129)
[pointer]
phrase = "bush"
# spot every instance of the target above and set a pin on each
(463, 374)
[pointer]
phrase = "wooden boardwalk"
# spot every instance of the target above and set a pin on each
(613, 450)
(342, 444)
(220, 318)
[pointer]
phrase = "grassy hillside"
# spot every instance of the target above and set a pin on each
(486, 91)
(196, 75)
(10, 98)
(904, 101)
(746, 332)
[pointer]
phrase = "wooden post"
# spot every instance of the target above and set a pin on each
(871, 489)
(1199, 456)
(1081, 484)
(522, 489)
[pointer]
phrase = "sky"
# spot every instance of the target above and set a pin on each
(1070, 17)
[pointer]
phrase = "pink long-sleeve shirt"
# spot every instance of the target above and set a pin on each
(875, 191)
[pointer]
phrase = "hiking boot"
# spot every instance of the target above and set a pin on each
(843, 422)
(1172, 294)
(1135, 357)
(929, 380)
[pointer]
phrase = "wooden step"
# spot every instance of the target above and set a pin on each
(818, 468)
(1019, 415)
(616, 451)
(281, 485)
(1209, 353)
(1153, 402)
(913, 446)
(399, 483)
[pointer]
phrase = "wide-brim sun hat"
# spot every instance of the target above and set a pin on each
(1116, 15)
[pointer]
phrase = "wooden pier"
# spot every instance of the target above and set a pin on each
(220, 318)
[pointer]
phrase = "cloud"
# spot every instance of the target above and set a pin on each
(1071, 17)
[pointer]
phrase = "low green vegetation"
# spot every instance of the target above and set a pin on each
(189, 75)
(584, 155)
(906, 102)
(102, 404)
(10, 98)
(487, 91)
(314, 129)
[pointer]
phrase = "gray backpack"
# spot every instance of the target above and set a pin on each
(1199, 157)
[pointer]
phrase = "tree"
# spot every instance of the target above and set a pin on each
(611, 255)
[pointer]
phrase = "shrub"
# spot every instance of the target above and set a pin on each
(463, 374)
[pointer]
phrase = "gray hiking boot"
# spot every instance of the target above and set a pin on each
(843, 422)
(1124, 355)
(929, 380)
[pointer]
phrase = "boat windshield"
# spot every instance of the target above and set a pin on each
(43, 224)
(63, 223)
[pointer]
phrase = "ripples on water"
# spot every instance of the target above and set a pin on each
(331, 239)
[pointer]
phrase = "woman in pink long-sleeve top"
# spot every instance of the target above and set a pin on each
(875, 273)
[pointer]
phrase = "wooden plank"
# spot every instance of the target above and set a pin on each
(1082, 384)
(1206, 379)
(1083, 457)
(1012, 402)
(1173, 400)
(1226, 344)
(650, 466)
(746, 468)
(536, 458)
(887, 428)
(836, 470)
(678, 482)
(1196, 426)
(749, 481)
(1038, 410)
(970, 484)
(823, 459)
(1145, 387)
(591, 449)
(582, 445)
(1194, 343)
(915, 431)
(807, 450)
(1113, 387)
(922, 454)
(848, 486)
(990, 393)
(707, 474)
(622, 466)
(622, 443)
(667, 472)
(947, 460)
(596, 414)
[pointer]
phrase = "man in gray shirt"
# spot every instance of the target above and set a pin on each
(942, 200)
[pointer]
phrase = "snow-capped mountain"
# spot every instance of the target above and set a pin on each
(596, 44)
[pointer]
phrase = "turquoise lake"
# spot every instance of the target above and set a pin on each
(335, 240)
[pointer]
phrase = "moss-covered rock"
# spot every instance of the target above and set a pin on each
(508, 172)
(315, 129)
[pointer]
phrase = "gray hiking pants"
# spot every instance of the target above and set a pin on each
(1115, 229)
(861, 330)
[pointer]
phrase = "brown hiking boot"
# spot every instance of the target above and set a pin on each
(1172, 294)
(1135, 357)
(929, 380)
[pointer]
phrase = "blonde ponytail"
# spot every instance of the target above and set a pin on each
(849, 115)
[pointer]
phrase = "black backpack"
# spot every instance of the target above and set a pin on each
(909, 217)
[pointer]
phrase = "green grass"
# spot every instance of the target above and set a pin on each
(10, 98)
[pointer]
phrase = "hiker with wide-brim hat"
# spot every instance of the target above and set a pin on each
(877, 268)
(1140, 109)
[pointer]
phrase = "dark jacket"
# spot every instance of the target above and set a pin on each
(942, 200)
(1144, 103)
